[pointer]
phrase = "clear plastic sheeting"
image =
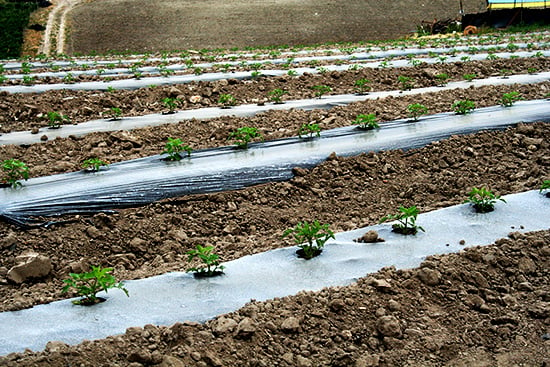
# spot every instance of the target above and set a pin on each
(145, 180)
(177, 297)
(361, 60)
(246, 110)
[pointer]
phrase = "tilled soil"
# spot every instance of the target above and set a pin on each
(483, 307)
(143, 26)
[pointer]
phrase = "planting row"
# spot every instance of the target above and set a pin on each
(13, 170)
(22, 112)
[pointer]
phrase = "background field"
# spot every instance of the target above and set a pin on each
(140, 25)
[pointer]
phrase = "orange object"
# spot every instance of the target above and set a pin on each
(471, 29)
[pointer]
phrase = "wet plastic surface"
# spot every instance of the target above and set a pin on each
(177, 297)
(327, 102)
(149, 179)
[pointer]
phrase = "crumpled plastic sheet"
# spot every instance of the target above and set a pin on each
(142, 181)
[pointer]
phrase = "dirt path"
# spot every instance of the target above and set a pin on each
(56, 27)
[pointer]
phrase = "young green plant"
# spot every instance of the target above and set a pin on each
(174, 148)
(14, 170)
(276, 95)
(406, 218)
(366, 122)
(244, 135)
(321, 90)
(209, 259)
(545, 187)
(115, 113)
(88, 284)
(171, 103)
(463, 107)
(56, 119)
(227, 100)
(483, 199)
(93, 164)
(310, 237)
(416, 110)
(405, 81)
(310, 130)
(508, 99)
(362, 86)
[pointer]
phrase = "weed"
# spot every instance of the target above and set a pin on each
(305, 234)
(208, 258)
(321, 90)
(93, 164)
(292, 73)
(14, 170)
(505, 73)
(227, 100)
(463, 107)
(532, 70)
(88, 284)
(110, 89)
(508, 99)
(56, 119)
(174, 147)
(276, 95)
(362, 86)
(198, 70)
(465, 58)
(310, 130)
(406, 218)
(244, 135)
(483, 200)
(366, 122)
(416, 109)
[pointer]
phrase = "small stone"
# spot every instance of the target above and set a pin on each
(56, 346)
(370, 237)
(141, 356)
(429, 276)
(393, 305)
(170, 361)
(380, 284)
(211, 359)
(303, 362)
(8, 241)
(35, 130)
(336, 305)
(224, 325)
(246, 328)
(44, 137)
(388, 326)
(291, 325)
(29, 265)
(525, 286)
(299, 171)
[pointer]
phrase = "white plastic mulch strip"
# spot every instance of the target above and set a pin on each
(247, 110)
(177, 297)
(479, 43)
(188, 78)
(149, 179)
